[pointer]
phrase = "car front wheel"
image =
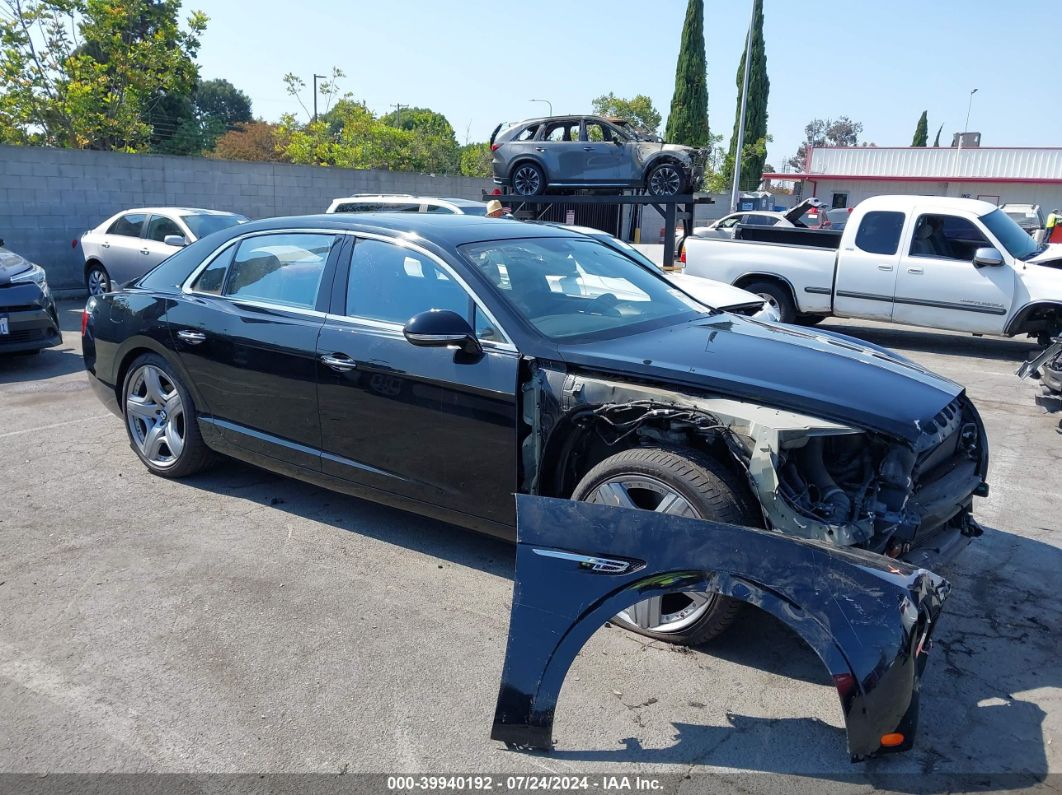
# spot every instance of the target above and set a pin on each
(679, 483)
(97, 280)
(665, 179)
(160, 420)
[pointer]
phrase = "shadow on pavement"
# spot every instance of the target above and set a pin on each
(911, 339)
(50, 362)
(995, 643)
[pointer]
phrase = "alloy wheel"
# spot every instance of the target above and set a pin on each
(97, 282)
(671, 612)
(771, 301)
(527, 181)
(155, 413)
(665, 181)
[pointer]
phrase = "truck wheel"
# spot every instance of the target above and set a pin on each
(777, 296)
(685, 483)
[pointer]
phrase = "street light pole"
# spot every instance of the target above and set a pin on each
(316, 77)
(735, 189)
(958, 149)
(969, 107)
(550, 104)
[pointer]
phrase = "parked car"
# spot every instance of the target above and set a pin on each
(728, 224)
(589, 152)
(708, 291)
(1029, 217)
(436, 363)
(28, 320)
(405, 203)
(132, 242)
(930, 261)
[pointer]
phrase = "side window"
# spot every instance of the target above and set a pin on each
(946, 236)
(485, 330)
(280, 269)
(212, 279)
(128, 225)
(392, 283)
(358, 207)
(159, 226)
(729, 222)
(879, 232)
(757, 220)
(400, 207)
(527, 134)
(595, 131)
(563, 132)
(439, 209)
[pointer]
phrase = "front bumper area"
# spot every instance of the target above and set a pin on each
(867, 617)
(32, 321)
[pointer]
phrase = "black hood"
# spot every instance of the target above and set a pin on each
(11, 264)
(811, 372)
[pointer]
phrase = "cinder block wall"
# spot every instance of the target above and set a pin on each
(49, 197)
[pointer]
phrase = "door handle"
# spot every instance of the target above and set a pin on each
(916, 270)
(884, 267)
(191, 337)
(339, 362)
(105, 244)
(540, 149)
(588, 149)
(144, 251)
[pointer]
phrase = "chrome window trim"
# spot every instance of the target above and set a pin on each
(186, 286)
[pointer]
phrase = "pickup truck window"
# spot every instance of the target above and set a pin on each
(1012, 237)
(879, 233)
(947, 237)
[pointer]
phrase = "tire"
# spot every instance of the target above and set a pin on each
(810, 320)
(154, 399)
(704, 489)
(97, 280)
(665, 179)
(528, 179)
(776, 295)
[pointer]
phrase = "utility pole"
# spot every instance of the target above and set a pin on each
(958, 149)
(316, 77)
(398, 114)
(735, 190)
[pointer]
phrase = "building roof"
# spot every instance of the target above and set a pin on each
(931, 164)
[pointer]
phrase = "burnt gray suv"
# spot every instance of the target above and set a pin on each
(590, 152)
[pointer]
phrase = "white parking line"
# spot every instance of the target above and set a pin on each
(55, 425)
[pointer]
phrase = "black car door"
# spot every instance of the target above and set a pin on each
(432, 424)
(246, 332)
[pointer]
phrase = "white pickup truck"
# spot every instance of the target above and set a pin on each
(930, 261)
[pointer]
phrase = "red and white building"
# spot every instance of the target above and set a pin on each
(844, 176)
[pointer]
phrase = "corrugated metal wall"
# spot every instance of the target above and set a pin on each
(1048, 196)
(939, 162)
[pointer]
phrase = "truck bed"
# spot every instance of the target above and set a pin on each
(790, 236)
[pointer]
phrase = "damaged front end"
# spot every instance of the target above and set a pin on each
(868, 618)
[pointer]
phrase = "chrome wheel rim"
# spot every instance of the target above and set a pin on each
(771, 301)
(666, 181)
(97, 282)
(155, 414)
(669, 613)
(527, 181)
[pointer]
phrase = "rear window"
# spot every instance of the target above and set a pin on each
(128, 225)
(378, 207)
(879, 232)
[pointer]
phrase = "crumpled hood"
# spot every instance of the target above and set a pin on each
(1050, 257)
(808, 371)
(12, 264)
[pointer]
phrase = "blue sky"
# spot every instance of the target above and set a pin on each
(479, 62)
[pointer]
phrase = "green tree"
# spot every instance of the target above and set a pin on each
(921, 135)
(88, 73)
(754, 149)
(638, 110)
(825, 132)
(475, 160)
(936, 141)
(687, 123)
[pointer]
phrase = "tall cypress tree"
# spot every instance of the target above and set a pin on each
(921, 136)
(687, 123)
(936, 141)
(755, 108)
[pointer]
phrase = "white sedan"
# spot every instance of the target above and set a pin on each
(725, 226)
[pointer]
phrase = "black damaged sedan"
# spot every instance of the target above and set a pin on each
(28, 320)
(441, 364)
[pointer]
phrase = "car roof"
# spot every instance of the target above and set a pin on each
(397, 197)
(450, 230)
(179, 210)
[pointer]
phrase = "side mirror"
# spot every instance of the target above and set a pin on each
(441, 328)
(175, 240)
(987, 258)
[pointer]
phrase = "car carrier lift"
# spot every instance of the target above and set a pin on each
(675, 209)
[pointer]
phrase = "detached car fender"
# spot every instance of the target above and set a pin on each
(868, 617)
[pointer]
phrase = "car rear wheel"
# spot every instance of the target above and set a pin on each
(666, 179)
(528, 180)
(777, 296)
(97, 280)
(160, 420)
(677, 483)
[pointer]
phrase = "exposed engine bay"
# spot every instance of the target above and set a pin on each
(812, 478)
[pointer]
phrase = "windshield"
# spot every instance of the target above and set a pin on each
(1011, 236)
(569, 288)
(203, 225)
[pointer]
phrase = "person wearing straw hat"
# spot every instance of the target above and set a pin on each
(495, 209)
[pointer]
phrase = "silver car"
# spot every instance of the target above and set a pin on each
(405, 203)
(590, 152)
(131, 243)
